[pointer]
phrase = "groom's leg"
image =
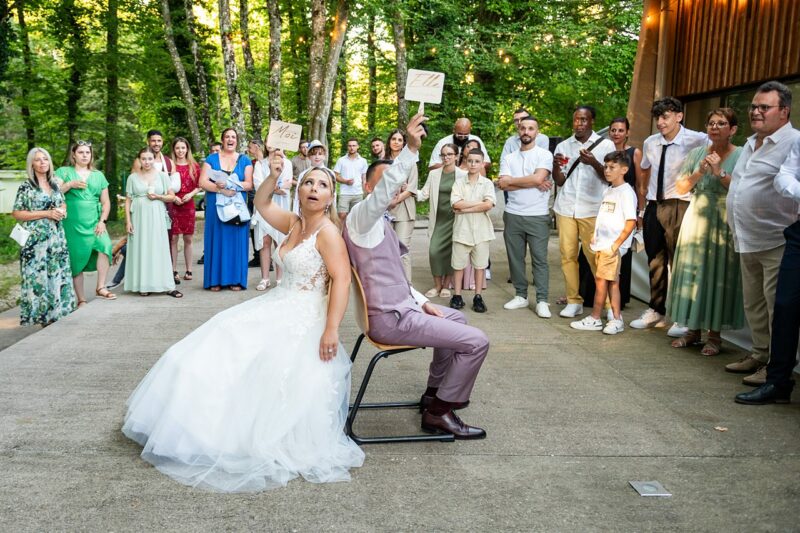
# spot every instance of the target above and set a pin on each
(459, 349)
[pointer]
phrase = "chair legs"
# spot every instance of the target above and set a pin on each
(357, 404)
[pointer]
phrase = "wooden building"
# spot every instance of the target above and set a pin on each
(711, 53)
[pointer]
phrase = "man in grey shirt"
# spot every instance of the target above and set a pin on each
(758, 214)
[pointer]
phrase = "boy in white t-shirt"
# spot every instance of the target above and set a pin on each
(612, 237)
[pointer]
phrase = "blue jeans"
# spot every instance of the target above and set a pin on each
(786, 316)
(120, 274)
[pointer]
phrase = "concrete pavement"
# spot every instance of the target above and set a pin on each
(571, 418)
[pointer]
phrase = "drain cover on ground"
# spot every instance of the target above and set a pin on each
(649, 488)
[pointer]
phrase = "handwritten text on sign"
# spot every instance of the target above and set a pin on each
(424, 86)
(284, 135)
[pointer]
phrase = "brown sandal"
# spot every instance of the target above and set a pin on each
(692, 338)
(188, 275)
(105, 294)
(712, 346)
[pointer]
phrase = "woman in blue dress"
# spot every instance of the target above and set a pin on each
(226, 243)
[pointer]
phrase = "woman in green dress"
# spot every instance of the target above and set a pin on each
(148, 266)
(86, 193)
(46, 289)
(706, 286)
(440, 220)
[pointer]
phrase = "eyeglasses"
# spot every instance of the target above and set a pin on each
(763, 108)
(84, 143)
(447, 154)
(721, 124)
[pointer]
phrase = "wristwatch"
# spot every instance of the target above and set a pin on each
(641, 213)
(104, 221)
(723, 174)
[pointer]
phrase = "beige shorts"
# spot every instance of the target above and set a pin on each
(347, 201)
(478, 255)
(608, 265)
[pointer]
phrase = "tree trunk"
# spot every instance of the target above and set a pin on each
(401, 67)
(372, 69)
(250, 68)
(345, 124)
(322, 71)
(27, 120)
(274, 59)
(180, 72)
(75, 55)
(231, 73)
(112, 104)
(200, 73)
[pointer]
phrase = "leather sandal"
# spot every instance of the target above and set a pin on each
(188, 275)
(176, 277)
(712, 345)
(690, 339)
(175, 294)
(105, 294)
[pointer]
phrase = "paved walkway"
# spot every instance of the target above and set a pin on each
(572, 417)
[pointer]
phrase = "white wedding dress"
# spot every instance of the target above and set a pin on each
(244, 403)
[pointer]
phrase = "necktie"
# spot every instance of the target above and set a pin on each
(660, 189)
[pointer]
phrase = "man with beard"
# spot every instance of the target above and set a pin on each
(377, 148)
(461, 134)
(155, 140)
(525, 176)
(578, 170)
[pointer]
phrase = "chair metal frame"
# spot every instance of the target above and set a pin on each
(385, 350)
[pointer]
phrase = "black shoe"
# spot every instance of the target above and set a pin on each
(477, 304)
(766, 393)
(200, 261)
(450, 423)
(457, 302)
(254, 262)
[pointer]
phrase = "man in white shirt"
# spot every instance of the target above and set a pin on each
(525, 176)
(351, 171)
(786, 318)
(461, 134)
(513, 143)
(758, 215)
(578, 171)
(663, 155)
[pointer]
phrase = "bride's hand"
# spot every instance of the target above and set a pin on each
(328, 345)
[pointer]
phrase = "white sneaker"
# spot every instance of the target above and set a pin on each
(488, 274)
(677, 331)
(610, 314)
(587, 323)
(649, 319)
(571, 310)
(543, 310)
(517, 302)
(614, 326)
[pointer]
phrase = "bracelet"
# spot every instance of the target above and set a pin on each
(641, 213)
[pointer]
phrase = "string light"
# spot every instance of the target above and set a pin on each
(500, 52)
(506, 59)
(433, 50)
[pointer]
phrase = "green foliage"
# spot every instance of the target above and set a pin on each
(9, 249)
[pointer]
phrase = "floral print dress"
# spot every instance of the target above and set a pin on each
(46, 291)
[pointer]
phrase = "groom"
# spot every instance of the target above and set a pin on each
(400, 315)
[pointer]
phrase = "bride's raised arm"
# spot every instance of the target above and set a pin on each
(333, 251)
(277, 217)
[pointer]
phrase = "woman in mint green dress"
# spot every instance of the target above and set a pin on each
(46, 290)
(88, 204)
(706, 286)
(148, 266)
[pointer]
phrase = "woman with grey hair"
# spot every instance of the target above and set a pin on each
(46, 290)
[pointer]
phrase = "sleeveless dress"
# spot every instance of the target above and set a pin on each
(244, 403)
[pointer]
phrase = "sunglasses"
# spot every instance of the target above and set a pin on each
(84, 143)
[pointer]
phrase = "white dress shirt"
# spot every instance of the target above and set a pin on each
(757, 213)
(514, 143)
(684, 142)
(581, 195)
(436, 159)
(365, 223)
(787, 182)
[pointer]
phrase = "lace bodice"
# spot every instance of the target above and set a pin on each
(303, 267)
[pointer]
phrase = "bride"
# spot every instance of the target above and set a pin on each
(258, 394)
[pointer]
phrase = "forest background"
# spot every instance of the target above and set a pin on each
(106, 71)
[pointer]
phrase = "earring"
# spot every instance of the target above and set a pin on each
(327, 208)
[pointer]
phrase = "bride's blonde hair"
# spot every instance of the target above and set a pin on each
(331, 209)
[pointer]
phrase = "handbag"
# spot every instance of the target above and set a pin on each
(20, 234)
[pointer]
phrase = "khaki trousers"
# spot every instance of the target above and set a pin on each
(759, 283)
(574, 233)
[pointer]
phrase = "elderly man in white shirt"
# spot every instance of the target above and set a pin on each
(578, 170)
(514, 143)
(461, 134)
(758, 215)
(663, 155)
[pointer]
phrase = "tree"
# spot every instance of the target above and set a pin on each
(28, 62)
(200, 71)
(112, 103)
(401, 67)
(250, 68)
(323, 66)
(372, 73)
(180, 72)
(275, 59)
(69, 29)
(231, 72)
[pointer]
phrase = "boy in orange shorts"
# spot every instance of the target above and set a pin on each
(612, 237)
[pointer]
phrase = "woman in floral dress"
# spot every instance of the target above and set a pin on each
(46, 292)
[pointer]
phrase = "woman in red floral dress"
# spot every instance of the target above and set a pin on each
(182, 211)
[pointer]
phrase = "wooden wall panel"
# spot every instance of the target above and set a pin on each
(726, 43)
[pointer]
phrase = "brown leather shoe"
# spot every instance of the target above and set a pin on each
(745, 365)
(425, 402)
(757, 379)
(450, 423)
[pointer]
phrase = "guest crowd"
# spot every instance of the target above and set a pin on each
(717, 222)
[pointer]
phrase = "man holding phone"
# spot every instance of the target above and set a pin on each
(578, 170)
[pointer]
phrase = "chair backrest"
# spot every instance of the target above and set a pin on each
(359, 299)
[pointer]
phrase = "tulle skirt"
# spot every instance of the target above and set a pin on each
(244, 402)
